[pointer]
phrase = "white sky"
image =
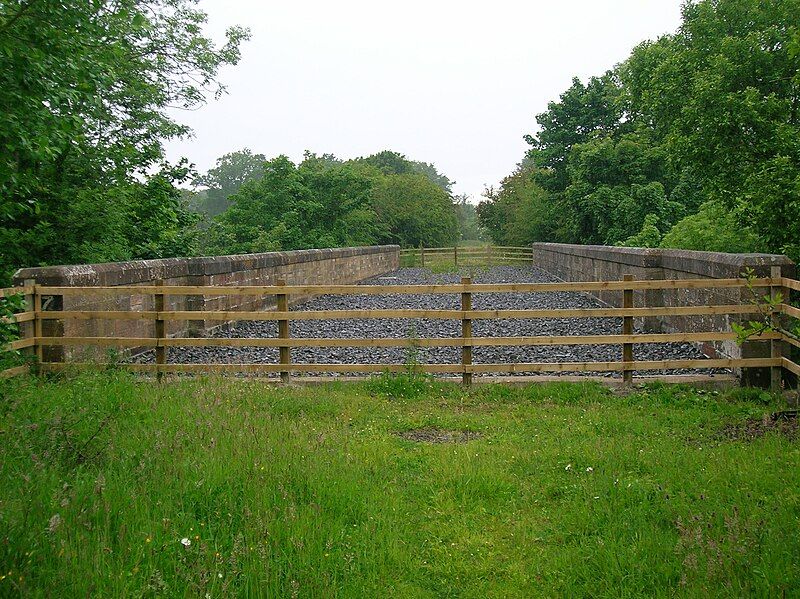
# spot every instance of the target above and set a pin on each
(453, 83)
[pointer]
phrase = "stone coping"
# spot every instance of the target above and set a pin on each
(144, 271)
(708, 264)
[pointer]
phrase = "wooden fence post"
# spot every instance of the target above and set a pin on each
(627, 329)
(34, 304)
(776, 345)
(422, 255)
(466, 333)
(160, 331)
(283, 331)
(455, 254)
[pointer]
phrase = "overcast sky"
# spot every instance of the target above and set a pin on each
(453, 83)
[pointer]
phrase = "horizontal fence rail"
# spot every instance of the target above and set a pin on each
(227, 315)
(394, 342)
(414, 289)
(154, 308)
(447, 368)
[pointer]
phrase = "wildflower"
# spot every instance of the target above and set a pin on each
(568, 467)
(590, 469)
(53, 524)
(186, 542)
(148, 540)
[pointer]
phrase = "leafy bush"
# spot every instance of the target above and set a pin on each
(9, 329)
(648, 237)
(714, 228)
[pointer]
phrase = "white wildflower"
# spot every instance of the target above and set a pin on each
(186, 542)
(568, 467)
(54, 523)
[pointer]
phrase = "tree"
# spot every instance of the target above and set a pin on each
(296, 207)
(614, 185)
(519, 212)
(648, 237)
(467, 215)
(231, 172)
(723, 94)
(698, 122)
(85, 89)
(327, 202)
(413, 210)
(713, 228)
(581, 112)
(394, 163)
(134, 220)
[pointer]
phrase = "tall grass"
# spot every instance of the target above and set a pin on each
(116, 486)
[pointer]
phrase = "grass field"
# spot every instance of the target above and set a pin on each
(114, 486)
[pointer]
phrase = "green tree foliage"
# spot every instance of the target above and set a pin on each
(327, 202)
(9, 329)
(613, 186)
(130, 220)
(581, 113)
(394, 163)
(648, 237)
(713, 228)
(469, 228)
(519, 212)
(84, 92)
(707, 114)
(415, 211)
(412, 200)
(85, 86)
(296, 207)
(226, 178)
(723, 95)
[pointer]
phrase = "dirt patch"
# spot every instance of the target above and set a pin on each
(438, 435)
(785, 423)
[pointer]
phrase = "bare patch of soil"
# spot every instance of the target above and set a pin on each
(785, 423)
(438, 435)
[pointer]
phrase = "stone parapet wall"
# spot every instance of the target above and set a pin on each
(300, 267)
(604, 263)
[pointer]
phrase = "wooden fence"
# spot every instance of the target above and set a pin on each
(486, 255)
(33, 341)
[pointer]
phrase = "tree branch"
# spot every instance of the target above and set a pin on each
(23, 9)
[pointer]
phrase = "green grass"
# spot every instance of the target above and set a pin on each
(570, 491)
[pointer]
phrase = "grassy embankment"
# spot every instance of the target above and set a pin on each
(116, 486)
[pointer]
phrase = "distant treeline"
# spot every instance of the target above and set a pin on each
(251, 204)
(692, 142)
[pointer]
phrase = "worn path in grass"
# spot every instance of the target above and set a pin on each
(112, 486)
(414, 328)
